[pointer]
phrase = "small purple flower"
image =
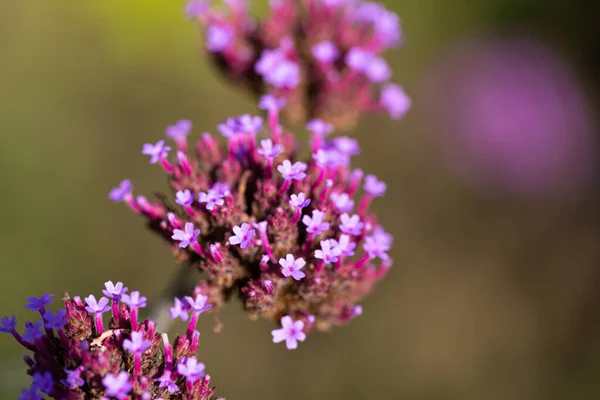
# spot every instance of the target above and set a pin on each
(179, 131)
(221, 188)
(243, 235)
(179, 310)
(184, 197)
(358, 59)
(212, 199)
(55, 321)
(325, 52)
(241, 124)
(277, 70)
(329, 251)
(196, 8)
(376, 246)
(351, 225)
(289, 171)
(119, 193)
(342, 201)
(73, 379)
(191, 369)
(137, 343)
(291, 267)
(268, 150)
(96, 307)
(198, 305)
(374, 186)
(134, 300)
(44, 382)
(290, 331)
(32, 331)
(319, 127)
(114, 291)
(346, 145)
(30, 394)
(38, 304)
(166, 381)
(299, 201)
(357, 310)
(8, 325)
(271, 103)
(378, 70)
(187, 236)
(329, 158)
(218, 37)
(346, 246)
(117, 385)
(156, 151)
(315, 225)
(394, 100)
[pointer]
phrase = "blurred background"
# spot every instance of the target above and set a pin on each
(493, 195)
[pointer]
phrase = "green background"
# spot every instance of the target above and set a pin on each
(488, 298)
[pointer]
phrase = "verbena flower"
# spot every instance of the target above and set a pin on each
(76, 358)
(323, 57)
(283, 237)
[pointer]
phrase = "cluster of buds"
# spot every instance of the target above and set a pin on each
(75, 357)
(287, 237)
(322, 56)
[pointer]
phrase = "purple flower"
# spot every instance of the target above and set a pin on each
(268, 150)
(394, 100)
(346, 145)
(117, 385)
(243, 235)
(156, 151)
(212, 199)
(179, 310)
(8, 325)
(241, 124)
(73, 379)
(268, 102)
(346, 246)
(222, 188)
(179, 131)
(137, 343)
(118, 193)
(96, 307)
(374, 187)
(299, 201)
(351, 225)
(166, 381)
(378, 70)
(187, 236)
(329, 158)
(358, 59)
(30, 394)
(57, 321)
(196, 8)
(329, 251)
(191, 369)
(325, 52)
(114, 291)
(198, 305)
(32, 331)
(376, 246)
(184, 197)
(134, 300)
(218, 37)
(277, 70)
(315, 225)
(289, 171)
(290, 331)
(38, 304)
(342, 201)
(291, 267)
(319, 127)
(44, 382)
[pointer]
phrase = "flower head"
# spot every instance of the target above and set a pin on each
(8, 325)
(77, 362)
(290, 332)
(241, 124)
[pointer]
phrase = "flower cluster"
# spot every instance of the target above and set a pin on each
(292, 239)
(75, 357)
(323, 56)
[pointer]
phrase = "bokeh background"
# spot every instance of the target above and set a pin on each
(492, 195)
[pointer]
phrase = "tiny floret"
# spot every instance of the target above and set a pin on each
(38, 304)
(295, 171)
(137, 343)
(96, 307)
(290, 332)
(291, 267)
(242, 235)
(374, 186)
(134, 300)
(186, 236)
(198, 304)
(299, 201)
(179, 131)
(114, 291)
(315, 224)
(268, 150)
(117, 385)
(156, 151)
